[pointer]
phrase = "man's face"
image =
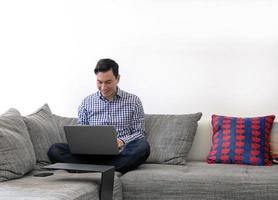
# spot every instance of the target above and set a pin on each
(107, 84)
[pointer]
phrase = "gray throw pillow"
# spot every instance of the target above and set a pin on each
(64, 121)
(43, 132)
(170, 137)
(17, 155)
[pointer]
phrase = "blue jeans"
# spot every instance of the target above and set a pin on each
(134, 154)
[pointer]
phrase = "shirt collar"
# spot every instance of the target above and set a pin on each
(119, 94)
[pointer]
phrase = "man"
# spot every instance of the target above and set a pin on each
(110, 106)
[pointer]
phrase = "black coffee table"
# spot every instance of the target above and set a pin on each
(107, 175)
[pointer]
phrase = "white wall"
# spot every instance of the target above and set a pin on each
(179, 56)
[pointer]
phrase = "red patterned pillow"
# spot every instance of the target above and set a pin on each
(241, 140)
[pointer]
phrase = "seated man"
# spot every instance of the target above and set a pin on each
(110, 106)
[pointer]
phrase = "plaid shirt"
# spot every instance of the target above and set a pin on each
(125, 112)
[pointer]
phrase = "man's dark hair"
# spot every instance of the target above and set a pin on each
(106, 64)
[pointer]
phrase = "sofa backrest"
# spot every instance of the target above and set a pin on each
(203, 140)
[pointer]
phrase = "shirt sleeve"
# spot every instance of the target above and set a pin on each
(82, 115)
(137, 127)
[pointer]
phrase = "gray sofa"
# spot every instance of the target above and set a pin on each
(176, 168)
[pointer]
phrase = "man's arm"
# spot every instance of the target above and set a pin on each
(82, 115)
(137, 126)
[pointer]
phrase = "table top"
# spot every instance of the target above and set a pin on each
(80, 167)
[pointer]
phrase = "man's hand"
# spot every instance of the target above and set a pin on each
(120, 143)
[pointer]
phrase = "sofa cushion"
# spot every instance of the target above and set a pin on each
(43, 132)
(241, 140)
(64, 121)
(200, 180)
(170, 137)
(60, 186)
(17, 155)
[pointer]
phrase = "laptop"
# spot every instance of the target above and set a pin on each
(94, 140)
